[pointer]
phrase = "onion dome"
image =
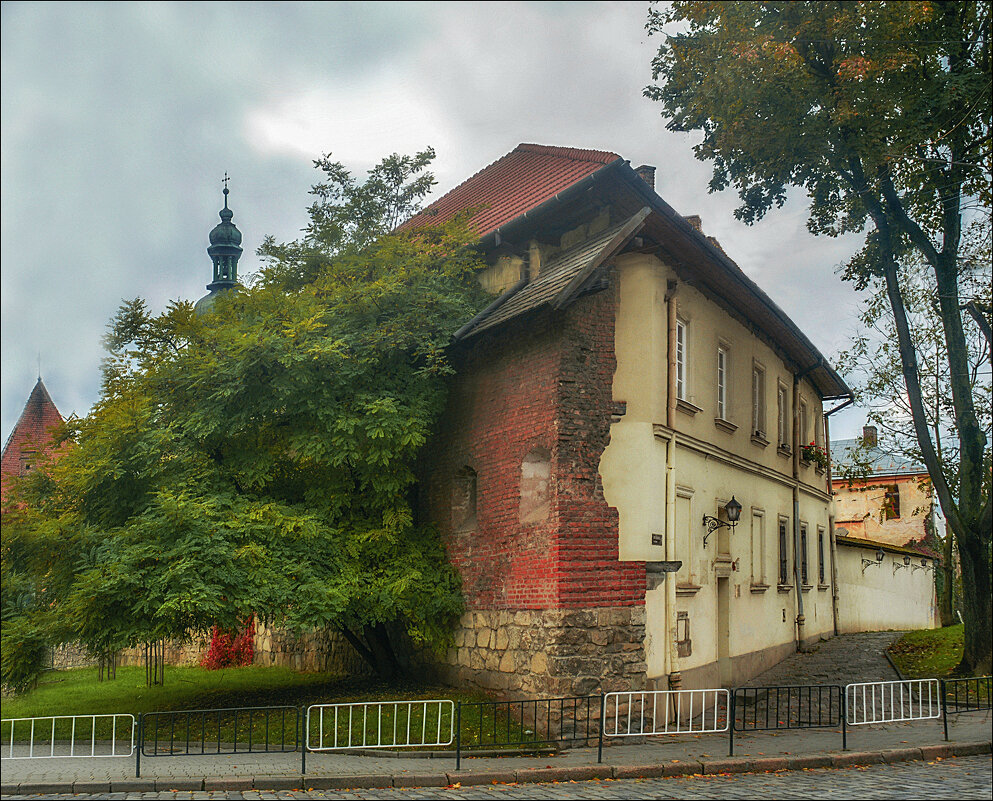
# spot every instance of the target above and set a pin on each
(224, 251)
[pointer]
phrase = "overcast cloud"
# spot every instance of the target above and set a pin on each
(119, 120)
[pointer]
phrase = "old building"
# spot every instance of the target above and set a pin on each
(887, 523)
(627, 382)
(31, 436)
(888, 500)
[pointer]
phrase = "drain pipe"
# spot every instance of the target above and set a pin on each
(675, 677)
(832, 532)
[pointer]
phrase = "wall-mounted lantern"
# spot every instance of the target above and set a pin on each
(898, 566)
(733, 512)
(868, 562)
(924, 565)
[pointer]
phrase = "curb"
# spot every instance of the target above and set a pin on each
(523, 776)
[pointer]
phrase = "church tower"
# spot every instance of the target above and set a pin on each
(32, 435)
(224, 251)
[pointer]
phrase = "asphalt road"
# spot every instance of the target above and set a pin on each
(960, 778)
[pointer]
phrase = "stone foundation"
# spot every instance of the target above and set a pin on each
(549, 652)
(322, 651)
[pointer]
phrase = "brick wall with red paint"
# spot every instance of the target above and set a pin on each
(544, 382)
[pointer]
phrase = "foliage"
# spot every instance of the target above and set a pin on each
(229, 649)
(259, 459)
(881, 112)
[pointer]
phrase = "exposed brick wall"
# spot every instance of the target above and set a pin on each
(544, 381)
(31, 436)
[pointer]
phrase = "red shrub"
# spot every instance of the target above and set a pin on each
(230, 649)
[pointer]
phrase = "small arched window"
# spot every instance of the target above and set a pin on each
(536, 470)
(464, 500)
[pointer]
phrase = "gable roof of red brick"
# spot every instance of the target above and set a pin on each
(522, 180)
(32, 432)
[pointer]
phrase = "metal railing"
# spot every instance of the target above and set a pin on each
(634, 714)
(892, 701)
(799, 706)
(380, 724)
(965, 695)
(111, 735)
(526, 724)
(233, 730)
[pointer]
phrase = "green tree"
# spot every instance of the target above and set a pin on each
(881, 112)
(872, 366)
(259, 459)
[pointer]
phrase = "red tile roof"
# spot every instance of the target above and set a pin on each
(523, 179)
(32, 432)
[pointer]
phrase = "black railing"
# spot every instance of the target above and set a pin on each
(965, 695)
(526, 724)
(801, 706)
(237, 730)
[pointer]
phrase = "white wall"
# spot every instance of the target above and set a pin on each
(884, 595)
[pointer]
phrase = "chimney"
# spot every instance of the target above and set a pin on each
(695, 221)
(870, 436)
(647, 174)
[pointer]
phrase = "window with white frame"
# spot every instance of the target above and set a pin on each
(758, 546)
(782, 410)
(758, 400)
(784, 552)
(821, 571)
(803, 554)
(803, 424)
(722, 381)
(681, 359)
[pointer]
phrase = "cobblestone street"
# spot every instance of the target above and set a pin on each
(963, 778)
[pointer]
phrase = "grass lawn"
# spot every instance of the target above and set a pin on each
(77, 692)
(929, 654)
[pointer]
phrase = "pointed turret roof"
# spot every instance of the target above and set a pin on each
(32, 432)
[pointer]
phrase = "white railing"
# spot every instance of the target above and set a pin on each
(68, 736)
(380, 724)
(892, 701)
(631, 714)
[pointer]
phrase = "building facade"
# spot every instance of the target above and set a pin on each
(627, 381)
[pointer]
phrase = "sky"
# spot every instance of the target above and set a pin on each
(119, 121)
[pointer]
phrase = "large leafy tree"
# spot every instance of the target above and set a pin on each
(259, 459)
(881, 112)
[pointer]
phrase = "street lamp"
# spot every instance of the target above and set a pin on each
(733, 512)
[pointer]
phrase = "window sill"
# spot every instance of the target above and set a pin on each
(687, 589)
(686, 407)
(822, 587)
(804, 462)
(807, 587)
(759, 439)
(757, 588)
(784, 587)
(784, 450)
(725, 425)
(820, 469)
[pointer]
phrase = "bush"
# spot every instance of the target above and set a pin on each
(230, 649)
(23, 649)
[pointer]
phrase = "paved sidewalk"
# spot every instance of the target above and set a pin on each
(845, 659)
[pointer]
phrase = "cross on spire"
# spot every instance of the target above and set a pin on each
(225, 182)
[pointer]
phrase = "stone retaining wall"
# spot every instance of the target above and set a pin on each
(534, 653)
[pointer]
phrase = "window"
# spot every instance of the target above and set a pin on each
(722, 382)
(535, 473)
(891, 503)
(464, 500)
(820, 555)
(803, 554)
(681, 360)
(684, 535)
(803, 423)
(784, 567)
(758, 401)
(758, 547)
(783, 418)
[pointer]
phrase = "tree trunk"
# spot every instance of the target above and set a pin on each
(946, 603)
(977, 604)
(376, 650)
